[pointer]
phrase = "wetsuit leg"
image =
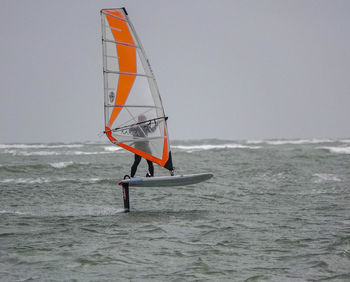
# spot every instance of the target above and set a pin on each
(135, 165)
(150, 167)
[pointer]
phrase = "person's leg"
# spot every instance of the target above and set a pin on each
(150, 167)
(135, 165)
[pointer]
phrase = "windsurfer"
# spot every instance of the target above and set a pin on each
(141, 130)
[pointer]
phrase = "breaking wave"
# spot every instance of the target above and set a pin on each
(39, 146)
(84, 153)
(291, 142)
(25, 180)
(61, 164)
(51, 153)
(11, 212)
(40, 166)
(40, 180)
(35, 153)
(112, 148)
(337, 150)
(212, 147)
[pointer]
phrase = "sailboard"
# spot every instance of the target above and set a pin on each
(166, 181)
(134, 115)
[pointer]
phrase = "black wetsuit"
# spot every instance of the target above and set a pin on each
(136, 164)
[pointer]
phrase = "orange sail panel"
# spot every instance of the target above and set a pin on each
(126, 57)
(134, 114)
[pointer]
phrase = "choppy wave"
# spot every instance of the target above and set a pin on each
(61, 164)
(35, 153)
(67, 164)
(326, 177)
(112, 148)
(297, 215)
(337, 150)
(78, 211)
(84, 153)
(12, 212)
(25, 180)
(47, 180)
(39, 146)
(51, 153)
(39, 166)
(291, 142)
(212, 147)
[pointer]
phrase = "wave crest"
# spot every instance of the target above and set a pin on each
(337, 150)
(112, 148)
(326, 177)
(25, 180)
(212, 147)
(38, 146)
(50, 153)
(291, 142)
(61, 164)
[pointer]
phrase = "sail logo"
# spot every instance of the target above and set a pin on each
(111, 97)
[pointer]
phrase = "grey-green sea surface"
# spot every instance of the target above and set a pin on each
(274, 211)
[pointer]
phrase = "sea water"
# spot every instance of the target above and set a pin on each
(276, 210)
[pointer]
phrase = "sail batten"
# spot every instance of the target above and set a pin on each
(119, 42)
(134, 114)
(127, 73)
(110, 27)
(113, 16)
(135, 140)
(133, 106)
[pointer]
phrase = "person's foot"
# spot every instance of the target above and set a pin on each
(148, 175)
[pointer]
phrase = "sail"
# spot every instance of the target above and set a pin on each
(134, 114)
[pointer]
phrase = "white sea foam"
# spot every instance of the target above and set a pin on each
(93, 180)
(337, 150)
(38, 146)
(12, 212)
(326, 177)
(255, 141)
(89, 180)
(35, 153)
(50, 153)
(61, 164)
(211, 147)
(290, 142)
(112, 148)
(84, 153)
(40, 180)
(25, 180)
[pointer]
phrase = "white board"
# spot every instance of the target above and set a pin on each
(161, 181)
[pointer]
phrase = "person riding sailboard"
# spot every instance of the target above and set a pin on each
(134, 115)
(141, 130)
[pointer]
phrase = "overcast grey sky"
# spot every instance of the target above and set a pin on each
(225, 69)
